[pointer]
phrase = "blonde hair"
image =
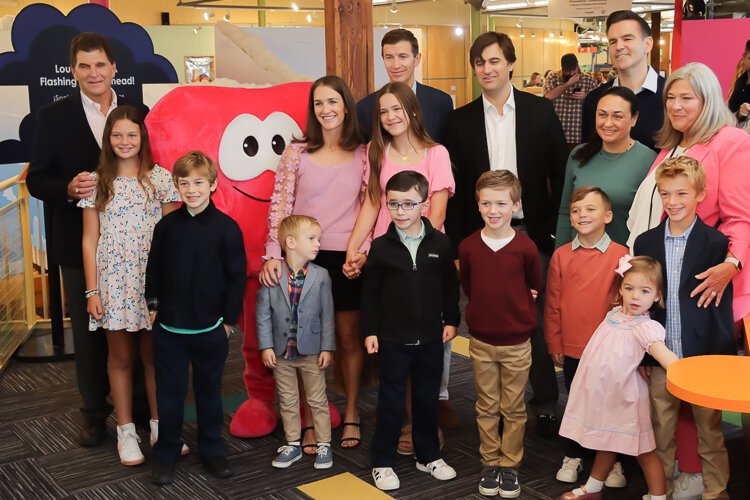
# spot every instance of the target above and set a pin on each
(651, 269)
(682, 165)
(714, 115)
(500, 179)
(195, 163)
(292, 225)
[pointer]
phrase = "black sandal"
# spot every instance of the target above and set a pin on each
(354, 440)
(306, 447)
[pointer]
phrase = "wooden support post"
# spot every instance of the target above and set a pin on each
(349, 50)
(656, 35)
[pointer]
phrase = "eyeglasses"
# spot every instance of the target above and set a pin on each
(407, 206)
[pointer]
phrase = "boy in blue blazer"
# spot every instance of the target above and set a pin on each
(685, 247)
(296, 336)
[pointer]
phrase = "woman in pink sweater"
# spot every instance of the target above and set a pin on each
(323, 175)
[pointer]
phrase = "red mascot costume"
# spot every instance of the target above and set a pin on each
(245, 131)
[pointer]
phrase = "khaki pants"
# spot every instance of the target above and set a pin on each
(500, 377)
(714, 459)
(314, 382)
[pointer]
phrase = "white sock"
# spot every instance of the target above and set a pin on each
(593, 485)
(293, 443)
(657, 497)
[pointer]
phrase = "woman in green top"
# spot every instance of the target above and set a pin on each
(611, 160)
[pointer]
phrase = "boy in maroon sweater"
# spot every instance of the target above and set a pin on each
(501, 276)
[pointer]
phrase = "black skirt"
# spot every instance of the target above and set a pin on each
(347, 293)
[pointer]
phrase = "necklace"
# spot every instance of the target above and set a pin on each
(613, 156)
(404, 157)
(332, 148)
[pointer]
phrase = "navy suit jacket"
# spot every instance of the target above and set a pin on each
(541, 155)
(704, 330)
(435, 105)
(63, 146)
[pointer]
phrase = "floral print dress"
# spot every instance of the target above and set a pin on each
(125, 229)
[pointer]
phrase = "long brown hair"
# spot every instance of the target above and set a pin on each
(381, 139)
(350, 135)
(106, 172)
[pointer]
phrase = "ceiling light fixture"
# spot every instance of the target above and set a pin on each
(309, 18)
(458, 31)
(295, 7)
(394, 7)
(208, 15)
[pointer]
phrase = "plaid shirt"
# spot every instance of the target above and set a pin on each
(569, 109)
(674, 250)
(296, 282)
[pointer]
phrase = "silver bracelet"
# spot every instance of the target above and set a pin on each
(90, 293)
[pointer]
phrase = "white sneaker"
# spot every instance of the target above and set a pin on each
(616, 478)
(568, 473)
(385, 479)
(154, 424)
(127, 445)
(438, 469)
(688, 487)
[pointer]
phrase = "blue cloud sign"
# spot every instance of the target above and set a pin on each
(40, 60)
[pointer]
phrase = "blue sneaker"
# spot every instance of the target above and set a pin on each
(324, 457)
(509, 487)
(288, 454)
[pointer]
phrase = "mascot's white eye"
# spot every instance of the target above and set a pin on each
(250, 146)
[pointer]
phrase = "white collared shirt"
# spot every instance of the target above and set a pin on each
(650, 83)
(94, 115)
(501, 137)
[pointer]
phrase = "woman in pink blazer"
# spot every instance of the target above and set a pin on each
(699, 125)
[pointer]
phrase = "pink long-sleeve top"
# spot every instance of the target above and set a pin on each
(726, 162)
(436, 166)
(331, 194)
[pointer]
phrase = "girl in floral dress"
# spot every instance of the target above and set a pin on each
(131, 195)
(608, 406)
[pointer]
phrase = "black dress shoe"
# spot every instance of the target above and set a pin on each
(546, 426)
(218, 467)
(93, 434)
(162, 473)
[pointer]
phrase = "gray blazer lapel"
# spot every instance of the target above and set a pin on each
(312, 275)
(284, 285)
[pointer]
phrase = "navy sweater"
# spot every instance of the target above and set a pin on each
(196, 269)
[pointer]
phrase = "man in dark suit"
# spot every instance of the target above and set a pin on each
(66, 147)
(630, 44)
(513, 130)
(400, 51)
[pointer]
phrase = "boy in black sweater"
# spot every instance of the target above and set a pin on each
(409, 309)
(195, 280)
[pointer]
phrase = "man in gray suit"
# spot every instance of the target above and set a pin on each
(296, 335)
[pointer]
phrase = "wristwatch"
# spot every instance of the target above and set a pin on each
(735, 261)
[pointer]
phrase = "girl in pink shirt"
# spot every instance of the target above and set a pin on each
(324, 175)
(399, 142)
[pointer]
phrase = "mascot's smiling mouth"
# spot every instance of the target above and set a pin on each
(251, 196)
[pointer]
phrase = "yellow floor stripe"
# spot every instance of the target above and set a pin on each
(460, 346)
(342, 487)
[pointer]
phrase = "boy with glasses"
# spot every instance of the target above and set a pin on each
(409, 309)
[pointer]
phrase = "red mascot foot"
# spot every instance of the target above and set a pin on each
(335, 415)
(254, 418)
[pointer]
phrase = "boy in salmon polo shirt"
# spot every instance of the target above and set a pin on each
(579, 295)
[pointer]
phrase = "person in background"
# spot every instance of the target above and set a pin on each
(611, 160)
(401, 56)
(567, 89)
(630, 44)
(535, 80)
(739, 99)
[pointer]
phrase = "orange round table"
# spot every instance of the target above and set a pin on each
(719, 382)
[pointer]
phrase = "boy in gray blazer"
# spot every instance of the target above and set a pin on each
(296, 335)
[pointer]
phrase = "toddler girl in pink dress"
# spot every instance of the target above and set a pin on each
(608, 406)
